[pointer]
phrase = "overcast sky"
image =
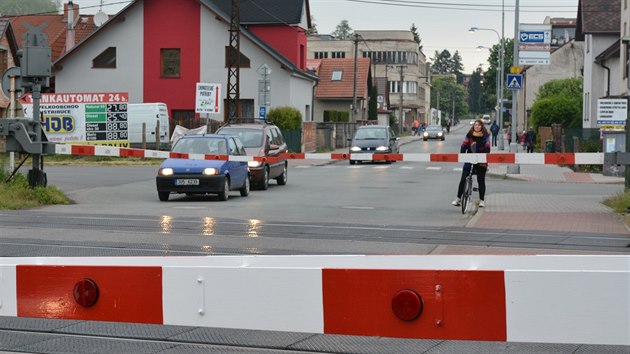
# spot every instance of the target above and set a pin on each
(441, 24)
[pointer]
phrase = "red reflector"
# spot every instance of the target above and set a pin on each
(85, 292)
(407, 305)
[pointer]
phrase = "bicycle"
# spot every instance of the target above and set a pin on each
(468, 189)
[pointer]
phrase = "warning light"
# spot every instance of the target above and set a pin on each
(407, 305)
(85, 292)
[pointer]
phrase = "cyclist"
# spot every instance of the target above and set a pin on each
(477, 141)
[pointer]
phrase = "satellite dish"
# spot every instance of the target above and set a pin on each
(99, 18)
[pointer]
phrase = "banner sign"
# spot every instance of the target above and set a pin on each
(83, 118)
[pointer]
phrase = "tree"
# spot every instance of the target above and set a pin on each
(343, 30)
(558, 102)
(416, 36)
(31, 7)
(476, 100)
(457, 67)
(441, 62)
(313, 29)
(448, 91)
(373, 105)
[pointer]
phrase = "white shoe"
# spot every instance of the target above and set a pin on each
(482, 204)
(456, 202)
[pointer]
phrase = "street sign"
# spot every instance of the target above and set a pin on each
(534, 44)
(208, 98)
(611, 111)
(514, 81)
(262, 112)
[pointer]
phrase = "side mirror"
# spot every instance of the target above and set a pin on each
(350, 139)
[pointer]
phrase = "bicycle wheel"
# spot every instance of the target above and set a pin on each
(466, 194)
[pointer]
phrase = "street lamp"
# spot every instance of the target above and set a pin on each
(499, 71)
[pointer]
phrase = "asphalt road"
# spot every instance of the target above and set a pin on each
(333, 208)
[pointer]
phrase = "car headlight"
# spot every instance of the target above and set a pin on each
(382, 148)
(254, 163)
(208, 171)
(425, 134)
(355, 149)
(166, 171)
(440, 134)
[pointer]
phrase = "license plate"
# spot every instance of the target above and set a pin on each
(187, 182)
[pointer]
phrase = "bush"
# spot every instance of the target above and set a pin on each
(286, 118)
(17, 194)
(557, 110)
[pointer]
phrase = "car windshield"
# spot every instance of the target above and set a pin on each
(251, 138)
(206, 145)
(434, 128)
(371, 133)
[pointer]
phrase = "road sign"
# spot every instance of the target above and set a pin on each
(514, 81)
(262, 112)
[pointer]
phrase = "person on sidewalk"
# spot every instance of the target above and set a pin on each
(414, 126)
(522, 139)
(530, 140)
(494, 129)
(477, 141)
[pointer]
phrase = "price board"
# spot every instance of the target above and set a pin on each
(83, 118)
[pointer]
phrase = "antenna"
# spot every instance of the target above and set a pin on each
(99, 18)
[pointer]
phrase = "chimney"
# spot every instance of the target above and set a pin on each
(71, 12)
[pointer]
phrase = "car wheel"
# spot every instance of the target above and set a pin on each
(264, 182)
(245, 190)
(442, 139)
(163, 196)
(225, 193)
(352, 162)
(282, 180)
(425, 139)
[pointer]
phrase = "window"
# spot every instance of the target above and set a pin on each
(338, 54)
(243, 60)
(170, 63)
(321, 55)
(336, 75)
(105, 60)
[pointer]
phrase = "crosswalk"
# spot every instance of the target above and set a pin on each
(382, 167)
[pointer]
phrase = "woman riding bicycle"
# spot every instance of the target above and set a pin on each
(477, 141)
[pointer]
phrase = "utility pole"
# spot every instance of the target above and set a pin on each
(514, 169)
(400, 88)
(234, 62)
(354, 82)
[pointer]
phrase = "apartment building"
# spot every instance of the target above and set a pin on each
(395, 57)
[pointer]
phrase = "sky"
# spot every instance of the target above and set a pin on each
(441, 24)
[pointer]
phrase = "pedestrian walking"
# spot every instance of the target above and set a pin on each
(530, 140)
(523, 141)
(494, 129)
(477, 141)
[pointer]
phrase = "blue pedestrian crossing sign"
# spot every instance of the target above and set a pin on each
(262, 112)
(514, 81)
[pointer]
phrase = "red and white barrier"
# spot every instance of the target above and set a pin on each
(550, 299)
(508, 158)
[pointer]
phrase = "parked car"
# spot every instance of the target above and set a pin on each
(433, 132)
(192, 176)
(486, 119)
(263, 139)
(372, 139)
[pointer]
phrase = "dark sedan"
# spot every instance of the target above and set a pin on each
(433, 132)
(371, 139)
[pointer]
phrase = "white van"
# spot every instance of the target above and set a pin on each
(150, 114)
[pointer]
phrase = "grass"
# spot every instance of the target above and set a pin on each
(17, 194)
(620, 204)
